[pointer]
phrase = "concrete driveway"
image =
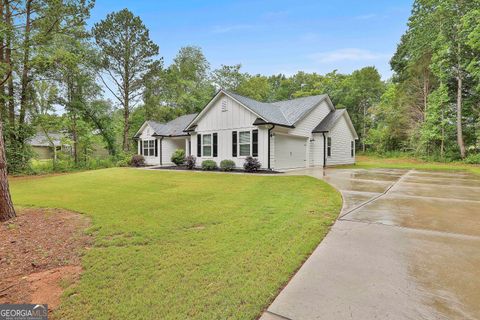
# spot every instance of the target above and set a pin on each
(406, 246)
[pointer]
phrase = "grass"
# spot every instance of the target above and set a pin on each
(185, 245)
(370, 162)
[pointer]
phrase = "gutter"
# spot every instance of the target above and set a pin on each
(161, 138)
(269, 130)
(324, 150)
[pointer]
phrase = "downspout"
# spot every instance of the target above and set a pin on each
(324, 150)
(161, 150)
(269, 134)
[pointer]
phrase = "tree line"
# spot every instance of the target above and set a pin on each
(107, 80)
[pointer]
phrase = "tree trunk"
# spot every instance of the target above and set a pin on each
(3, 104)
(6, 206)
(75, 138)
(26, 57)
(8, 62)
(364, 133)
(126, 119)
(461, 143)
(442, 146)
(426, 87)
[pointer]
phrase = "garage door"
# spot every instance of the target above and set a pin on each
(290, 152)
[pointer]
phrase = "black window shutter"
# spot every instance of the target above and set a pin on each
(199, 145)
(234, 143)
(156, 147)
(254, 143)
(215, 143)
(141, 146)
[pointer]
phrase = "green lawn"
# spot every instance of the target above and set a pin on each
(185, 245)
(371, 162)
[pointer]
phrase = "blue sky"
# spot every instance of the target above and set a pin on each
(275, 36)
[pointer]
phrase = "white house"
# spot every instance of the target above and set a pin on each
(297, 133)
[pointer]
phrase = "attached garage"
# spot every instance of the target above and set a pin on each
(290, 152)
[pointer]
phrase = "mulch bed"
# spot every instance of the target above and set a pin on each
(40, 250)
(183, 168)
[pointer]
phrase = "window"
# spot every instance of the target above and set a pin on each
(244, 143)
(352, 148)
(207, 145)
(149, 148)
(329, 146)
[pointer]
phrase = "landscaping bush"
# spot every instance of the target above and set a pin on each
(178, 157)
(123, 159)
(137, 161)
(473, 158)
(227, 165)
(251, 164)
(190, 162)
(209, 165)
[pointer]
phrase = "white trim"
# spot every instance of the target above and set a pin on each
(142, 127)
(207, 145)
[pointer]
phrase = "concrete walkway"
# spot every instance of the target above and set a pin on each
(406, 246)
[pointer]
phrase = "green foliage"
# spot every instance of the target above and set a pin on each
(473, 158)
(127, 56)
(256, 87)
(227, 165)
(137, 161)
(228, 77)
(178, 157)
(391, 119)
(251, 164)
(209, 165)
(190, 162)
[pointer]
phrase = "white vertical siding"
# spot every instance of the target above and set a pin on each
(235, 118)
(147, 135)
(342, 137)
(316, 150)
(169, 145)
(305, 126)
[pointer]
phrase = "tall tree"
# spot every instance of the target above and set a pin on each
(127, 53)
(228, 77)
(7, 210)
(365, 89)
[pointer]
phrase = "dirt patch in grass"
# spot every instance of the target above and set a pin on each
(40, 253)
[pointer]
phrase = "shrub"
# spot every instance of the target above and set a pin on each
(473, 158)
(123, 159)
(209, 165)
(137, 161)
(251, 164)
(178, 157)
(190, 162)
(227, 165)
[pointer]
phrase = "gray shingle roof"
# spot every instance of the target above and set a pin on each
(286, 112)
(40, 140)
(329, 121)
(174, 127)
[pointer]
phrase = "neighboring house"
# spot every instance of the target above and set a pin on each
(297, 133)
(43, 148)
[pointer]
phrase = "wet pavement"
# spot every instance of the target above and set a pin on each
(406, 246)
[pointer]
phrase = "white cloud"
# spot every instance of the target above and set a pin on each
(236, 27)
(347, 54)
(366, 16)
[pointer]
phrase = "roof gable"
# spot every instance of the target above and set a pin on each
(172, 128)
(284, 113)
(331, 119)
